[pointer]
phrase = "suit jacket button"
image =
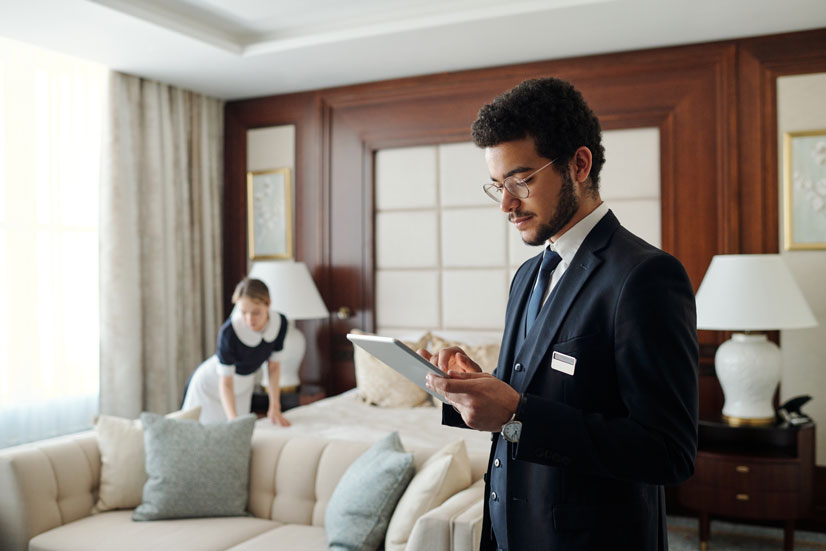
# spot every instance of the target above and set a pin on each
(494, 497)
(496, 462)
(517, 367)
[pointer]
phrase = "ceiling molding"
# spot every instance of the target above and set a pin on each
(234, 49)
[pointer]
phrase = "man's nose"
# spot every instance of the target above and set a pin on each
(508, 201)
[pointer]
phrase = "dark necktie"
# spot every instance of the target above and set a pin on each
(550, 260)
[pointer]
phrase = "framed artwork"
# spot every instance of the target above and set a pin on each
(804, 190)
(269, 214)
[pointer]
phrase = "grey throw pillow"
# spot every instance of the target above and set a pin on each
(364, 499)
(195, 470)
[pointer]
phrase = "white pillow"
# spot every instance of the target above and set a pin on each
(122, 458)
(380, 385)
(443, 474)
(486, 355)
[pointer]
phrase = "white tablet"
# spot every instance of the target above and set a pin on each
(401, 358)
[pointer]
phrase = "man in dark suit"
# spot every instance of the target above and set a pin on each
(593, 404)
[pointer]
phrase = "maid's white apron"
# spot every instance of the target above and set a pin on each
(204, 391)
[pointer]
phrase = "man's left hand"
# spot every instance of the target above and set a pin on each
(484, 402)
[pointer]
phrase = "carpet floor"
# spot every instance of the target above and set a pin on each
(683, 535)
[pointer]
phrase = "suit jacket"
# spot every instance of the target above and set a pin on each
(597, 446)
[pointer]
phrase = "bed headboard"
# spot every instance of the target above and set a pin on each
(445, 254)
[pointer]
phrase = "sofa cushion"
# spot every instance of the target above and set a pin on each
(115, 530)
(194, 469)
(360, 507)
(122, 470)
(292, 537)
(442, 475)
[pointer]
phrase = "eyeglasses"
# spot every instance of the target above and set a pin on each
(516, 186)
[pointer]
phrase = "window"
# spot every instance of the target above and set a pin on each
(51, 116)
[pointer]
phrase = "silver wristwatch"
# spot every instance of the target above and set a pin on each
(512, 429)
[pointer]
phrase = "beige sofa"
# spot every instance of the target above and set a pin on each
(47, 490)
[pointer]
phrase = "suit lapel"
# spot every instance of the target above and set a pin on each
(515, 312)
(544, 331)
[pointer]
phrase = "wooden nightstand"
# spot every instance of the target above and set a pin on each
(763, 473)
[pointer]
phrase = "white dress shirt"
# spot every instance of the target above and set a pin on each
(569, 242)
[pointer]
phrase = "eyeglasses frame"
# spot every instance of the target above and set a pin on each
(518, 184)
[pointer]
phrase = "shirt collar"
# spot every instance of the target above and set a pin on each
(253, 338)
(569, 242)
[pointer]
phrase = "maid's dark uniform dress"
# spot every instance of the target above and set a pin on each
(241, 352)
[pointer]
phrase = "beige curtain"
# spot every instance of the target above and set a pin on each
(160, 243)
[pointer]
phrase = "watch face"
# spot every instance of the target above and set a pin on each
(511, 431)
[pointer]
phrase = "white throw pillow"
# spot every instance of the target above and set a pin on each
(122, 458)
(486, 355)
(443, 474)
(380, 385)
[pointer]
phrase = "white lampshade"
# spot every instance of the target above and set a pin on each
(294, 294)
(751, 292)
(292, 290)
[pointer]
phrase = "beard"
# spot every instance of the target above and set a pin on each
(567, 205)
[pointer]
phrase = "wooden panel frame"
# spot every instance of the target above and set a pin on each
(761, 61)
(687, 92)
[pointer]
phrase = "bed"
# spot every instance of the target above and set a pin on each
(384, 401)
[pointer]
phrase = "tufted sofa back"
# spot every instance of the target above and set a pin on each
(53, 482)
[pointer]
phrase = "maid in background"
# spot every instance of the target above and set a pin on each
(251, 337)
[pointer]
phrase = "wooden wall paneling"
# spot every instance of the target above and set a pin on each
(234, 204)
(310, 218)
(761, 61)
(350, 243)
(687, 92)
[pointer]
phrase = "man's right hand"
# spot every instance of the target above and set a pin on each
(449, 359)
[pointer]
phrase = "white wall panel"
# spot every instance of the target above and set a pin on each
(407, 239)
(474, 299)
(632, 166)
(271, 147)
(462, 173)
(473, 237)
(518, 251)
(407, 299)
(642, 218)
(476, 250)
(406, 178)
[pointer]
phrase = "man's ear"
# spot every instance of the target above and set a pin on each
(582, 164)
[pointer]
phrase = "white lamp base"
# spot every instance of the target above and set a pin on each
(748, 367)
(295, 344)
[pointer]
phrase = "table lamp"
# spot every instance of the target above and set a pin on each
(745, 293)
(294, 294)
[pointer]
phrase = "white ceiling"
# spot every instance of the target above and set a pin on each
(246, 48)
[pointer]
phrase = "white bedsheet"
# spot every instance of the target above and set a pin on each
(347, 417)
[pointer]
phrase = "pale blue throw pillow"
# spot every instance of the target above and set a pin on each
(194, 469)
(360, 508)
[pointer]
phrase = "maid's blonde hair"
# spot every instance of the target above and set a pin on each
(254, 289)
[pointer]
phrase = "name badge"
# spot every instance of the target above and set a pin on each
(563, 362)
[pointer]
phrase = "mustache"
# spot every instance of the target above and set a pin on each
(518, 214)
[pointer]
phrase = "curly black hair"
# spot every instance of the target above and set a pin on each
(553, 113)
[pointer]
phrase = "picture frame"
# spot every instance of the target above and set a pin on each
(804, 190)
(269, 214)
